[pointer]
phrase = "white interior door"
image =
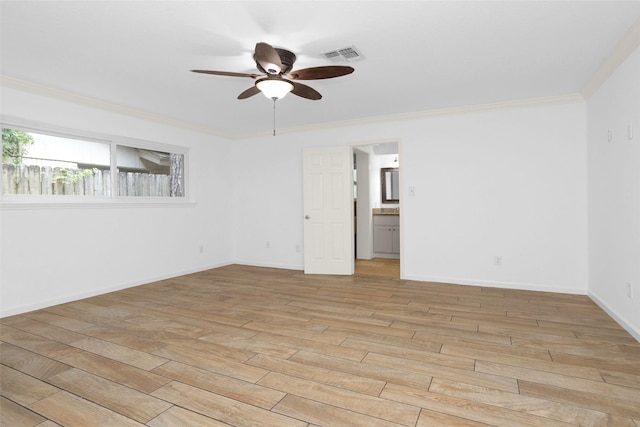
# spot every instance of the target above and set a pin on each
(328, 210)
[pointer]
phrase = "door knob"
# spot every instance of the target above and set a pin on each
(307, 217)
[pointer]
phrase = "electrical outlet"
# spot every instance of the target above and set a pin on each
(497, 260)
(609, 136)
(268, 245)
(201, 249)
(298, 248)
(629, 290)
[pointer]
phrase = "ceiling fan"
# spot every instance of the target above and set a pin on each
(277, 79)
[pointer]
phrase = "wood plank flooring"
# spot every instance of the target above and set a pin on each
(249, 346)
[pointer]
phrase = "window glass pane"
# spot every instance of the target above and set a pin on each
(40, 164)
(151, 173)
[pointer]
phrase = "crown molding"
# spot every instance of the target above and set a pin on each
(37, 89)
(627, 45)
(418, 115)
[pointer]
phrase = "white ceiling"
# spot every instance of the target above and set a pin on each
(418, 55)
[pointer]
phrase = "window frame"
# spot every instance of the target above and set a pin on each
(113, 141)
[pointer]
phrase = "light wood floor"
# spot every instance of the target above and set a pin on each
(381, 267)
(246, 346)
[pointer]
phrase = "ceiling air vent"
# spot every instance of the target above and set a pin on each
(348, 54)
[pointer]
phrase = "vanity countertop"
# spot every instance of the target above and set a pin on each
(386, 211)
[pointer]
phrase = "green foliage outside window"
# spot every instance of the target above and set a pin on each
(74, 175)
(14, 145)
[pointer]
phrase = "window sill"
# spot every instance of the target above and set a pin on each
(21, 202)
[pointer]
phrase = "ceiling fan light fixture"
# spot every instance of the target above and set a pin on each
(274, 88)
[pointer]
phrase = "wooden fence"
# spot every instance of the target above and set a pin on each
(44, 180)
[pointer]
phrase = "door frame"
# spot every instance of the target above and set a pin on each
(372, 143)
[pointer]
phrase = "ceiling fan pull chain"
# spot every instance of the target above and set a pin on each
(274, 115)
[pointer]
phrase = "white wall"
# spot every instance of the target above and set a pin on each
(267, 204)
(614, 194)
(52, 254)
(503, 182)
(506, 183)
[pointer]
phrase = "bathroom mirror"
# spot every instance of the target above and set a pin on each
(390, 185)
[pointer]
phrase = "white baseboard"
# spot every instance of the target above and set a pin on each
(497, 284)
(634, 332)
(387, 256)
(269, 265)
(94, 292)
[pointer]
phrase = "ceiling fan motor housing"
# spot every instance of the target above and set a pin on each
(287, 58)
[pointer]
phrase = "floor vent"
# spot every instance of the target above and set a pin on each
(349, 54)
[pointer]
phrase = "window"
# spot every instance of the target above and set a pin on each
(143, 172)
(39, 163)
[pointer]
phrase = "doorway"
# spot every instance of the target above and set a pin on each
(340, 208)
(376, 217)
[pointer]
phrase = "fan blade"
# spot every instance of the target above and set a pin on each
(253, 90)
(268, 58)
(227, 73)
(305, 91)
(317, 73)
